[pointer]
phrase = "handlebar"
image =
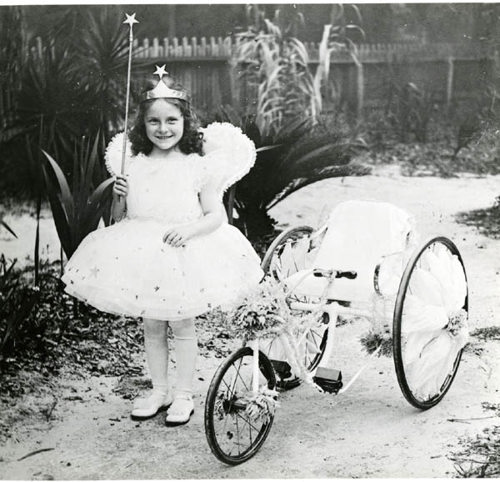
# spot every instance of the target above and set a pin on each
(333, 273)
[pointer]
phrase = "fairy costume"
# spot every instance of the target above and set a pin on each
(127, 269)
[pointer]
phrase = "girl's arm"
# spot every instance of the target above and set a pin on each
(119, 204)
(213, 216)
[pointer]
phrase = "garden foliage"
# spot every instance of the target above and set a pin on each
(18, 300)
(274, 63)
(296, 156)
(70, 83)
(77, 210)
(337, 36)
(294, 148)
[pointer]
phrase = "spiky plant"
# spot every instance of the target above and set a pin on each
(51, 103)
(294, 157)
(274, 65)
(72, 84)
(338, 37)
(77, 210)
(102, 52)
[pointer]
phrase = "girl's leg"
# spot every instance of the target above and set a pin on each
(186, 349)
(156, 345)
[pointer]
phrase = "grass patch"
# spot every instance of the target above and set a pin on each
(479, 457)
(487, 220)
(62, 337)
(438, 157)
(487, 333)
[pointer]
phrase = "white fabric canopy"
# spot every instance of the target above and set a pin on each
(360, 235)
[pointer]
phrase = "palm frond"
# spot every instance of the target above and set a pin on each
(7, 227)
(315, 176)
(60, 202)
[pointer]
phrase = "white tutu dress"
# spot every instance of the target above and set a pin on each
(127, 269)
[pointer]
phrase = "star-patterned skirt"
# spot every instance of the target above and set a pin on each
(126, 269)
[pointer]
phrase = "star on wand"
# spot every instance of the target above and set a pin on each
(130, 20)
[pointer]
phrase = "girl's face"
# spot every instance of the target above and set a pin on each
(164, 125)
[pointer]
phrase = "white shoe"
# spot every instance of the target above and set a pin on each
(150, 406)
(180, 411)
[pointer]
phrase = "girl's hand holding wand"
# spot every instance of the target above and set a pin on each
(120, 187)
(120, 192)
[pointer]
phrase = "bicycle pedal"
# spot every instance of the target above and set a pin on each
(282, 368)
(329, 379)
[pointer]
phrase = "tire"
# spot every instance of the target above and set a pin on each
(316, 340)
(402, 345)
(272, 257)
(271, 265)
(232, 437)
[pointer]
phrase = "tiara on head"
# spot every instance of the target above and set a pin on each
(161, 91)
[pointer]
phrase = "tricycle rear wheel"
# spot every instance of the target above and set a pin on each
(414, 347)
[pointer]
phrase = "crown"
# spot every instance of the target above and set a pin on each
(161, 91)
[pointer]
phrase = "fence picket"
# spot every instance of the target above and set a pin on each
(154, 50)
(213, 47)
(203, 47)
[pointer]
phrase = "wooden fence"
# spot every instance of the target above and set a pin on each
(451, 71)
(222, 49)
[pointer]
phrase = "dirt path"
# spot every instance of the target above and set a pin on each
(370, 431)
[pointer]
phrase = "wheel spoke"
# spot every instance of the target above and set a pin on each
(247, 422)
(239, 377)
(238, 443)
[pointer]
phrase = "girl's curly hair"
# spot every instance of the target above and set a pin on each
(192, 138)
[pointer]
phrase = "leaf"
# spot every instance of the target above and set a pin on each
(12, 132)
(37, 238)
(95, 205)
(59, 214)
(315, 176)
(66, 197)
(267, 148)
(318, 152)
(7, 227)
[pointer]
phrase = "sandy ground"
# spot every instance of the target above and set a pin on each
(370, 431)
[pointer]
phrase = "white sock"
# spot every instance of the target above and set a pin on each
(156, 345)
(186, 350)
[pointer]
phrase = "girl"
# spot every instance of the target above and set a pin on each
(171, 256)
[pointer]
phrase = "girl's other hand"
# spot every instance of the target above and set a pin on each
(178, 236)
(120, 187)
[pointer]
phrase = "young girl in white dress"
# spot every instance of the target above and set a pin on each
(171, 255)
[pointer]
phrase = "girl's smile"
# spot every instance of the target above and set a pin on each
(164, 125)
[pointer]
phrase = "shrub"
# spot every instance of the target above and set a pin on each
(77, 211)
(296, 156)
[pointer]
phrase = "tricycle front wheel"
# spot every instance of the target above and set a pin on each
(235, 433)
